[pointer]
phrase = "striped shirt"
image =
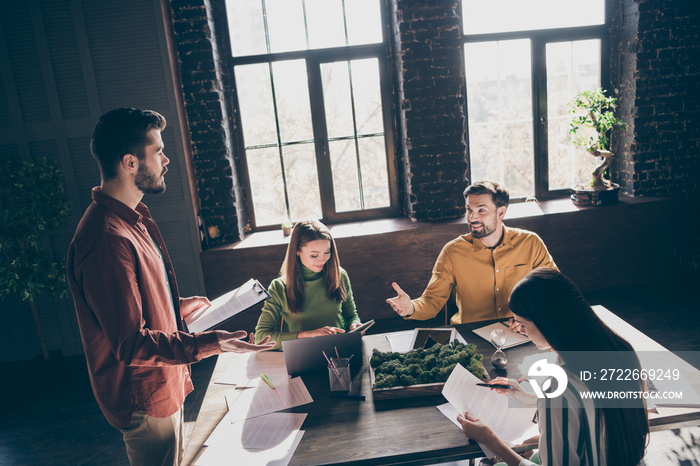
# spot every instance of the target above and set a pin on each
(571, 428)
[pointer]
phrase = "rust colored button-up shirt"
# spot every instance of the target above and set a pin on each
(483, 278)
(137, 351)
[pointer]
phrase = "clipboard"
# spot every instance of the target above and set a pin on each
(227, 306)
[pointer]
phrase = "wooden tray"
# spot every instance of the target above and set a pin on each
(405, 391)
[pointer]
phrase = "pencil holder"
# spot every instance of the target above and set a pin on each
(339, 374)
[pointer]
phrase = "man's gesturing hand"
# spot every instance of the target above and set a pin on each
(235, 343)
(401, 303)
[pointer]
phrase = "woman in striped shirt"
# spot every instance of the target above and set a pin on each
(573, 430)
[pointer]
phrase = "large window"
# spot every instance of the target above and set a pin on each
(312, 89)
(524, 61)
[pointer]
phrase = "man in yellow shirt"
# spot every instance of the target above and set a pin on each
(482, 266)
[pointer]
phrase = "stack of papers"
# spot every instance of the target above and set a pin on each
(255, 432)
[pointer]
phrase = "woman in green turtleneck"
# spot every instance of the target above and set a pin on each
(312, 296)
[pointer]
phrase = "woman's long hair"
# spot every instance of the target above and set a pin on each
(303, 233)
(560, 312)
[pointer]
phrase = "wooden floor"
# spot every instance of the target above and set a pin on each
(48, 415)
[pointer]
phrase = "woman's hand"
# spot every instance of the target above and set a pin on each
(327, 330)
(355, 325)
(515, 391)
(475, 429)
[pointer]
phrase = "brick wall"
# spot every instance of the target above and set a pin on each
(660, 73)
(204, 89)
(430, 77)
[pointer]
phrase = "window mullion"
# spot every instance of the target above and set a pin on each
(539, 117)
(320, 131)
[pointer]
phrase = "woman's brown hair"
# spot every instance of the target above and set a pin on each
(303, 233)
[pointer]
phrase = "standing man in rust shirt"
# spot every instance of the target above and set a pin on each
(126, 298)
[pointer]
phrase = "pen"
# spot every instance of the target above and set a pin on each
(495, 385)
(352, 397)
(267, 381)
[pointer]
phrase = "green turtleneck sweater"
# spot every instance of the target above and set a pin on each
(317, 310)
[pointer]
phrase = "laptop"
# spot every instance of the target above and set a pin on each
(305, 355)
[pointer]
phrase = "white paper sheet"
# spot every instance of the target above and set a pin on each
(259, 433)
(509, 423)
(400, 342)
(264, 400)
(226, 306)
(225, 454)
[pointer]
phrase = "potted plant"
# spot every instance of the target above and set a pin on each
(287, 224)
(593, 110)
(33, 204)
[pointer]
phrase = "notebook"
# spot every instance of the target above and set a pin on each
(306, 354)
(512, 338)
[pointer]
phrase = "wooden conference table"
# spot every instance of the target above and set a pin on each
(397, 431)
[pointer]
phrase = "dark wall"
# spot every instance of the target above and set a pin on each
(63, 64)
(657, 66)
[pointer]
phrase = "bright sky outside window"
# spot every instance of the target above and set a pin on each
(313, 127)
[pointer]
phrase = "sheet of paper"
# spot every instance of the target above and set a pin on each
(259, 433)
(512, 338)
(400, 342)
(509, 423)
(264, 400)
(226, 306)
(223, 454)
(451, 413)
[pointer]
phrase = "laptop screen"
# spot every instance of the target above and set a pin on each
(306, 354)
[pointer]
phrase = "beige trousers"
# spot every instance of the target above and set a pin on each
(154, 441)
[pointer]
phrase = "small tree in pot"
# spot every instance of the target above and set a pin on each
(593, 109)
(32, 204)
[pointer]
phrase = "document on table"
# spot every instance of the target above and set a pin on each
(259, 433)
(491, 408)
(262, 400)
(228, 441)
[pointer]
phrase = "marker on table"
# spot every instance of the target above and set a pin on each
(267, 381)
(495, 385)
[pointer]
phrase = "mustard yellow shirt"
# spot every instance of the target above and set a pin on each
(483, 278)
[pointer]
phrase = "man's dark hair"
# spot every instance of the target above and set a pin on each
(499, 193)
(119, 132)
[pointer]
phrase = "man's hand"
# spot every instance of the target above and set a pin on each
(401, 303)
(320, 332)
(355, 325)
(193, 304)
(235, 342)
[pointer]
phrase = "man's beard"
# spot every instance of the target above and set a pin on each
(485, 231)
(148, 182)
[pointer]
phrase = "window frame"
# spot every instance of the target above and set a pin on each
(313, 59)
(539, 38)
